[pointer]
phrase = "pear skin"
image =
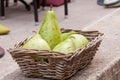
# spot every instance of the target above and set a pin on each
(72, 43)
(67, 34)
(50, 30)
(79, 40)
(66, 47)
(36, 42)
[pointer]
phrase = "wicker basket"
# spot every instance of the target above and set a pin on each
(55, 65)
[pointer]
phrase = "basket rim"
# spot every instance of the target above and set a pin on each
(61, 55)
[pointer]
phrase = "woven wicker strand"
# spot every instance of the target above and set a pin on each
(58, 66)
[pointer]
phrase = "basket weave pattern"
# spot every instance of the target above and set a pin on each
(55, 65)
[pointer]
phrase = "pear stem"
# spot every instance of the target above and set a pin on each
(51, 7)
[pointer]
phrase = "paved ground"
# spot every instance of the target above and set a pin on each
(81, 14)
(106, 63)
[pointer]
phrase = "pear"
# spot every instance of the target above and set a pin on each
(72, 43)
(36, 42)
(67, 34)
(79, 40)
(50, 30)
(4, 29)
(66, 47)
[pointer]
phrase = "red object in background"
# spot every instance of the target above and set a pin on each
(53, 2)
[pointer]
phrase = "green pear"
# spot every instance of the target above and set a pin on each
(67, 34)
(50, 30)
(79, 40)
(36, 57)
(67, 46)
(72, 43)
(36, 42)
